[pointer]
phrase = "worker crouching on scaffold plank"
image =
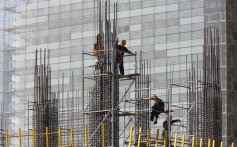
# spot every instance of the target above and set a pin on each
(157, 108)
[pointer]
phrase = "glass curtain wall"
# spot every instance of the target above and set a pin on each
(168, 32)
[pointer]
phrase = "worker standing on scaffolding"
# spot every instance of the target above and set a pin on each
(120, 54)
(97, 48)
(157, 108)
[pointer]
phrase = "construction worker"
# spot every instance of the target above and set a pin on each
(166, 124)
(120, 54)
(97, 48)
(157, 108)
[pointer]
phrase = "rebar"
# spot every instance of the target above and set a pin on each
(45, 109)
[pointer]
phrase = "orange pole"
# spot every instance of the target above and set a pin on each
(33, 137)
(7, 143)
(221, 144)
(139, 137)
(200, 145)
(148, 137)
(165, 139)
(19, 135)
(47, 137)
(193, 142)
(183, 140)
(157, 138)
(130, 136)
(60, 137)
(72, 136)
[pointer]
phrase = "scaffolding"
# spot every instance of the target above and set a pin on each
(204, 115)
(105, 103)
(102, 102)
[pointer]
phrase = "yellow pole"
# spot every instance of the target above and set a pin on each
(130, 136)
(86, 136)
(193, 141)
(232, 145)
(47, 137)
(33, 137)
(209, 143)
(157, 138)
(221, 144)
(60, 137)
(200, 144)
(139, 137)
(175, 139)
(72, 136)
(103, 134)
(7, 143)
(183, 139)
(165, 138)
(148, 137)
(19, 134)
(213, 143)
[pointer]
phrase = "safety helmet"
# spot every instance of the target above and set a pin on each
(123, 42)
(154, 97)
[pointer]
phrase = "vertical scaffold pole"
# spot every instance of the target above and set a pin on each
(83, 90)
(7, 143)
(139, 137)
(157, 138)
(60, 137)
(72, 136)
(175, 139)
(86, 136)
(148, 137)
(33, 137)
(113, 90)
(19, 135)
(47, 137)
(193, 141)
(130, 136)
(103, 134)
(183, 139)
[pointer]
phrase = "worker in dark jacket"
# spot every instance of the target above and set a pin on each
(172, 121)
(157, 108)
(166, 127)
(120, 54)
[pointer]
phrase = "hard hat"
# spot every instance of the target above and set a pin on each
(154, 97)
(123, 42)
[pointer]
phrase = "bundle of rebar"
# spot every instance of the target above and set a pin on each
(212, 106)
(142, 99)
(106, 91)
(45, 109)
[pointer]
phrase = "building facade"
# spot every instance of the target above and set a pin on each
(170, 33)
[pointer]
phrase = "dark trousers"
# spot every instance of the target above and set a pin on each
(121, 67)
(155, 114)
